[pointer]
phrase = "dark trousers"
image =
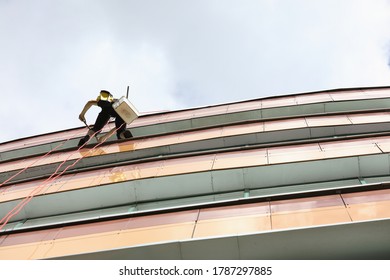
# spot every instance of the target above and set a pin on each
(103, 119)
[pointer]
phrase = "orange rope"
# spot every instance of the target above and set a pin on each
(36, 190)
(40, 158)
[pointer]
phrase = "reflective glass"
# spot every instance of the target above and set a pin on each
(369, 117)
(83, 180)
(383, 143)
(240, 159)
(242, 129)
(377, 93)
(42, 139)
(284, 124)
(306, 204)
(328, 120)
(232, 226)
(187, 165)
(366, 197)
(200, 135)
(310, 218)
(349, 148)
(244, 106)
(147, 120)
(189, 216)
(92, 228)
(158, 234)
(210, 111)
(278, 102)
(312, 98)
(30, 237)
(294, 153)
(348, 95)
(234, 211)
(370, 211)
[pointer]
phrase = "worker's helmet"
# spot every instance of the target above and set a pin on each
(105, 96)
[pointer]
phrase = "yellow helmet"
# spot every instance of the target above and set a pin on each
(105, 96)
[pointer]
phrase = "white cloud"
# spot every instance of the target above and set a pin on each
(143, 67)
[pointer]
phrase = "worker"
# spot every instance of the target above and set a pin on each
(104, 101)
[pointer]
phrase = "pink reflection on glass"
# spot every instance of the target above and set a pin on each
(348, 95)
(294, 153)
(235, 211)
(377, 93)
(30, 237)
(284, 124)
(278, 102)
(240, 159)
(312, 98)
(42, 139)
(244, 106)
(210, 111)
(369, 117)
(350, 148)
(187, 165)
(366, 197)
(200, 135)
(306, 204)
(327, 120)
(242, 129)
(384, 143)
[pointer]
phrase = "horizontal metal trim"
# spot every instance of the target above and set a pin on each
(118, 196)
(327, 242)
(362, 105)
(264, 139)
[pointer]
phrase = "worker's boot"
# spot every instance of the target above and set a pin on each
(125, 134)
(84, 140)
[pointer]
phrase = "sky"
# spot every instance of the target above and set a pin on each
(55, 55)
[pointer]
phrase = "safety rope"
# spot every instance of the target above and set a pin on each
(39, 159)
(36, 190)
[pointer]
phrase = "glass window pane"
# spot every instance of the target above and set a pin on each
(294, 153)
(349, 148)
(306, 204)
(244, 106)
(210, 111)
(278, 102)
(310, 218)
(200, 135)
(240, 159)
(284, 124)
(384, 143)
(232, 226)
(370, 211)
(163, 219)
(366, 197)
(187, 165)
(234, 211)
(328, 120)
(369, 117)
(243, 129)
(348, 95)
(377, 93)
(313, 98)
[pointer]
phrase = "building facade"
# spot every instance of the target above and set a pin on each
(300, 176)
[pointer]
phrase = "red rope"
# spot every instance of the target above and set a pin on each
(40, 158)
(36, 190)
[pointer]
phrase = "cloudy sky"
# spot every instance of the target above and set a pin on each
(174, 54)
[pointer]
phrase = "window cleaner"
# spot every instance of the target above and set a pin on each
(120, 109)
